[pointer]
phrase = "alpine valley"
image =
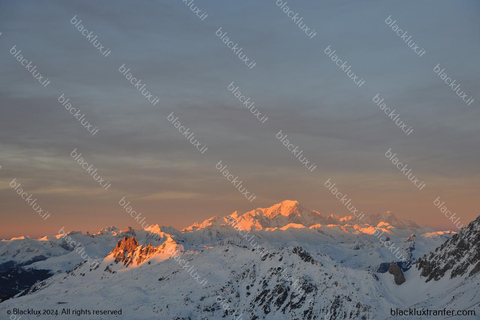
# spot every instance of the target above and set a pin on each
(281, 262)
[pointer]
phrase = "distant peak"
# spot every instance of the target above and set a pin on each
(213, 221)
(289, 203)
(129, 230)
(388, 215)
(153, 228)
(19, 238)
(390, 218)
(108, 230)
(284, 208)
(290, 213)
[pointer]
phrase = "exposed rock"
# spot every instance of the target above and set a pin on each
(459, 254)
(304, 255)
(398, 276)
(125, 250)
(15, 280)
(129, 252)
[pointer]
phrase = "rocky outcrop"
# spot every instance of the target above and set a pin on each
(458, 255)
(124, 252)
(398, 276)
(130, 253)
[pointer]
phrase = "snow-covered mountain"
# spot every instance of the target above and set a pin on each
(291, 214)
(281, 262)
(284, 215)
(456, 257)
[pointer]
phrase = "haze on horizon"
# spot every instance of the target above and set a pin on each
(183, 62)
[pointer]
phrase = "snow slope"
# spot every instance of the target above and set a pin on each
(282, 262)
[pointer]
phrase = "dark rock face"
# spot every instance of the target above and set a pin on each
(457, 254)
(410, 247)
(12, 264)
(281, 291)
(15, 280)
(384, 266)
(304, 255)
(398, 276)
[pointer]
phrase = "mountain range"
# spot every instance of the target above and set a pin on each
(281, 262)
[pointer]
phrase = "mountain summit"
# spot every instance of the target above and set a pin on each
(284, 208)
(281, 215)
(291, 214)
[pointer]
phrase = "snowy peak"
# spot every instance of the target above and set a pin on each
(290, 213)
(214, 221)
(129, 231)
(277, 216)
(389, 218)
(280, 215)
(109, 230)
(160, 232)
(284, 208)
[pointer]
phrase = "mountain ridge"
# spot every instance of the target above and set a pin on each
(280, 262)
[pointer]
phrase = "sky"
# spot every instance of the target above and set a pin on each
(182, 61)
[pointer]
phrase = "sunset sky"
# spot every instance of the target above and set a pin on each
(181, 60)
